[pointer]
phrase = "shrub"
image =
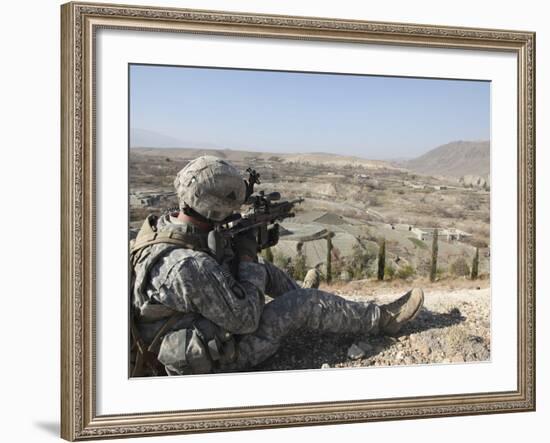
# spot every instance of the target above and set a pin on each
(460, 267)
(280, 260)
(267, 254)
(389, 272)
(440, 273)
(358, 263)
(337, 265)
(405, 272)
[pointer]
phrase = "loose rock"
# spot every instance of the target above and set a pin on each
(453, 327)
(355, 352)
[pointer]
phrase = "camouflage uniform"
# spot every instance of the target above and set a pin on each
(237, 329)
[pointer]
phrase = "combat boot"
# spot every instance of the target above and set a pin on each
(395, 314)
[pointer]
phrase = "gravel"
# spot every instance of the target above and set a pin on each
(452, 328)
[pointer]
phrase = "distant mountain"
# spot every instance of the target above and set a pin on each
(234, 155)
(454, 159)
(143, 138)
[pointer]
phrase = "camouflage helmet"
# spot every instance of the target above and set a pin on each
(210, 186)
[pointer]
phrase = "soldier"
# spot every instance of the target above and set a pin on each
(192, 315)
(312, 278)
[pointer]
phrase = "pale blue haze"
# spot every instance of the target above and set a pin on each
(367, 116)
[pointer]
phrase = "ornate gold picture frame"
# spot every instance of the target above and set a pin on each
(80, 23)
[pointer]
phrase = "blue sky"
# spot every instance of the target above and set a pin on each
(368, 116)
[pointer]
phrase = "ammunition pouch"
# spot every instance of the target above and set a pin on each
(184, 344)
(200, 349)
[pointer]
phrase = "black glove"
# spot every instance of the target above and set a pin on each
(273, 235)
(245, 245)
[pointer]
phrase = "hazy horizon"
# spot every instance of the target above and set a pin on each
(370, 117)
(359, 154)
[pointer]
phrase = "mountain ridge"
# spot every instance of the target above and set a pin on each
(325, 159)
(455, 159)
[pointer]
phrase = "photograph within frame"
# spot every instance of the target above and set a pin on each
(344, 142)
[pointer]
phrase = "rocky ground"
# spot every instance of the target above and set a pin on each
(453, 327)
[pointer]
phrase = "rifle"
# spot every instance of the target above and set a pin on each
(263, 215)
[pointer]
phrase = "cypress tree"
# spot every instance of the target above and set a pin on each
(475, 265)
(433, 268)
(329, 257)
(300, 263)
(382, 259)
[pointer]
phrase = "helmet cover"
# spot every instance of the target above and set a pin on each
(210, 186)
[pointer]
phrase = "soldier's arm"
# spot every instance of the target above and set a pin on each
(278, 281)
(234, 305)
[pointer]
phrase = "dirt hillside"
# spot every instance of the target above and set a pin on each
(453, 327)
(454, 159)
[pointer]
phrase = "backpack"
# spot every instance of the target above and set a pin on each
(197, 345)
